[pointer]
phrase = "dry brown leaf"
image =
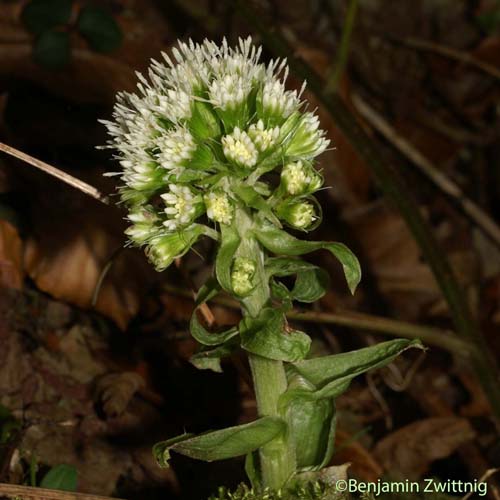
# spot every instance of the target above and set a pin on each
(363, 464)
(11, 260)
(115, 390)
(409, 452)
(394, 258)
(69, 249)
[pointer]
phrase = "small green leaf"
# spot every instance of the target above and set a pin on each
(280, 242)
(42, 15)
(210, 359)
(99, 28)
(310, 285)
(221, 444)
(267, 337)
(230, 241)
(61, 477)
(205, 337)
(207, 291)
(331, 375)
(322, 370)
(52, 49)
(285, 266)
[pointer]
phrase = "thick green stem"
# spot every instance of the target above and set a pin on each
(277, 458)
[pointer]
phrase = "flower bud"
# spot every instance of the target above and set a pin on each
(182, 206)
(242, 275)
(144, 225)
(239, 149)
(300, 178)
(264, 139)
(307, 140)
(162, 250)
(219, 208)
(300, 215)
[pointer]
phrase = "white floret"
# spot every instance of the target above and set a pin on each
(176, 148)
(239, 148)
(180, 208)
(263, 138)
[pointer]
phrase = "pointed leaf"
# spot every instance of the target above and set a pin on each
(203, 336)
(267, 337)
(332, 374)
(280, 242)
(221, 444)
(310, 285)
(210, 359)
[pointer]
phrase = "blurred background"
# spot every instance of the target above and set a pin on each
(94, 345)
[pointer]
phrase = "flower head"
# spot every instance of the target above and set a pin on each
(180, 206)
(239, 148)
(219, 207)
(299, 178)
(198, 137)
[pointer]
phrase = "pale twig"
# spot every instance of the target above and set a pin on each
(440, 180)
(377, 395)
(55, 172)
(29, 493)
(367, 322)
(457, 55)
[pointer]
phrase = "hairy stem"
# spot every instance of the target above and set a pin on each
(277, 458)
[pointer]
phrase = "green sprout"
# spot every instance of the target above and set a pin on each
(214, 144)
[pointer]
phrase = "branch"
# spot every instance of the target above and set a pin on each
(55, 172)
(29, 493)
(400, 195)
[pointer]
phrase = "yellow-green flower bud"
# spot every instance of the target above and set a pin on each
(242, 275)
(219, 208)
(300, 215)
(299, 178)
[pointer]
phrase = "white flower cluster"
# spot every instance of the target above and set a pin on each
(207, 120)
